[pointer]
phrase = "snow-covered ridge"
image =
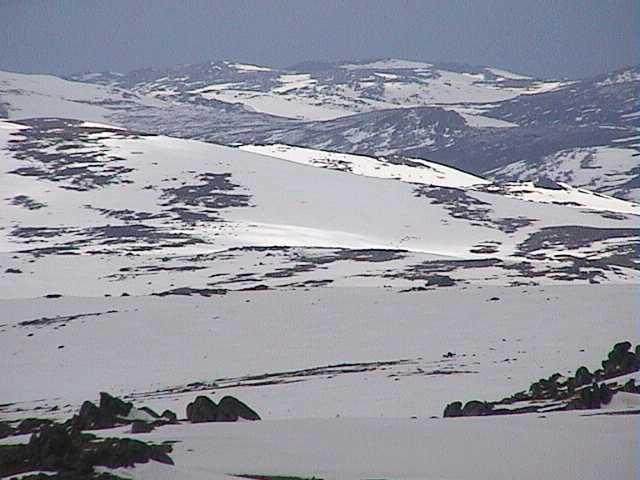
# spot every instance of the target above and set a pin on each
(407, 170)
(420, 171)
(28, 95)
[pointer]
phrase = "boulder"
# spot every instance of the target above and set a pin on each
(91, 417)
(31, 425)
(6, 430)
(453, 409)
(202, 409)
(150, 411)
(169, 416)
(583, 377)
(606, 394)
(139, 426)
(126, 452)
(113, 406)
(107, 415)
(475, 408)
(230, 409)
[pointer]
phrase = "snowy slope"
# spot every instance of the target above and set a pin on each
(352, 449)
(338, 304)
(25, 96)
(429, 173)
(408, 170)
(98, 172)
(192, 214)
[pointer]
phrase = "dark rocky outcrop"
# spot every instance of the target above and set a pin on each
(585, 390)
(475, 408)
(66, 449)
(453, 409)
(113, 406)
(31, 425)
(169, 416)
(582, 377)
(620, 361)
(141, 427)
(230, 409)
(113, 411)
(74, 455)
(6, 430)
(202, 409)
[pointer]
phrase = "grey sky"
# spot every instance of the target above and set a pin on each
(572, 38)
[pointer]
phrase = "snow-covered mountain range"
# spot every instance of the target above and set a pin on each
(482, 120)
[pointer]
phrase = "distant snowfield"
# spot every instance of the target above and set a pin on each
(377, 85)
(282, 105)
(50, 96)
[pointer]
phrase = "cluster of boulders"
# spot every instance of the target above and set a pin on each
(230, 409)
(74, 455)
(583, 390)
(112, 411)
(69, 450)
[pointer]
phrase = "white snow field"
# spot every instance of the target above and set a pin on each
(338, 304)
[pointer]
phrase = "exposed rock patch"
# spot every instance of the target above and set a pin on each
(585, 390)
